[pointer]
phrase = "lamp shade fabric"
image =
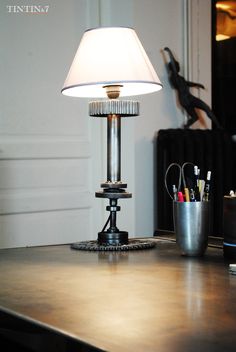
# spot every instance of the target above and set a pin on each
(110, 56)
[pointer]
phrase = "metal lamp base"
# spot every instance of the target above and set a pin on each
(113, 238)
(113, 189)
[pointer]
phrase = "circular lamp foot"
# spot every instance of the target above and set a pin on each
(113, 238)
(95, 246)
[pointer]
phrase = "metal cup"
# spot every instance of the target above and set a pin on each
(191, 225)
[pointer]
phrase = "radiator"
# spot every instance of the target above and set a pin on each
(210, 150)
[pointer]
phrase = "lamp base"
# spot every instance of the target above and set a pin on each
(132, 244)
(113, 238)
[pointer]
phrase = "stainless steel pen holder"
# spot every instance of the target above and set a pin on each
(191, 225)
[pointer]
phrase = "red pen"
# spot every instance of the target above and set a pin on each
(180, 197)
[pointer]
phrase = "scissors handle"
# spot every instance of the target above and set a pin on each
(181, 177)
(179, 181)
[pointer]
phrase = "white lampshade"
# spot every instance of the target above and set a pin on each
(110, 56)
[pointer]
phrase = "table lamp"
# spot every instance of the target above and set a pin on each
(111, 63)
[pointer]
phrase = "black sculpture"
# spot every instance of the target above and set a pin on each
(188, 101)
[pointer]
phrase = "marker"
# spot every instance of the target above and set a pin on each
(207, 187)
(198, 178)
(201, 188)
(196, 188)
(180, 197)
(186, 192)
(192, 196)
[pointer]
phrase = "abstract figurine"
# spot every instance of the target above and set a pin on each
(188, 101)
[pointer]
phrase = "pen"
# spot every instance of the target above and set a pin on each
(186, 192)
(196, 188)
(175, 195)
(201, 188)
(207, 187)
(192, 196)
(198, 178)
(180, 197)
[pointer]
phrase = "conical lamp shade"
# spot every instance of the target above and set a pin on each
(110, 56)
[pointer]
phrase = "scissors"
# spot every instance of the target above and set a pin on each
(180, 179)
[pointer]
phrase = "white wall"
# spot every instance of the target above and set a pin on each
(46, 165)
(52, 155)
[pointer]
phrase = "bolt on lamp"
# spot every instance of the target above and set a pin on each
(111, 63)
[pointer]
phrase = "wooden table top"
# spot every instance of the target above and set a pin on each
(150, 300)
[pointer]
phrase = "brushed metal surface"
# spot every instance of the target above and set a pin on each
(154, 300)
(113, 148)
(191, 224)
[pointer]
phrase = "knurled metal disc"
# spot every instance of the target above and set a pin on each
(124, 108)
(95, 246)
